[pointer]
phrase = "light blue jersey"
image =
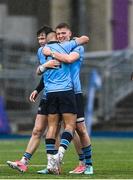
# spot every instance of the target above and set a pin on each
(42, 60)
(59, 79)
(75, 69)
(40, 56)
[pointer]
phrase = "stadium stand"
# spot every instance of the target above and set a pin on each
(17, 79)
(115, 97)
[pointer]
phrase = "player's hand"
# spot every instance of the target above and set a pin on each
(82, 40)
(46, 51)
(131, 76)
(52, 64)
(33, 96)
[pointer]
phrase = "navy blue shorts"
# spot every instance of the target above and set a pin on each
(42, 108)
(80, 107)
(61, 102)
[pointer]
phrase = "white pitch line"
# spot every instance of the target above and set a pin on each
(33, 165)
(12, 151)
(44, 165)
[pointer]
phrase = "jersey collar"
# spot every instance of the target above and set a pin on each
(52, 42)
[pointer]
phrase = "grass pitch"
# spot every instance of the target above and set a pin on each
(112, 159)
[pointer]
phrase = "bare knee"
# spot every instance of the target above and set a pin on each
(82, 131)
(37, 132)
(70, 127)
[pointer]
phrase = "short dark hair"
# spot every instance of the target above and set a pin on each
(45, 29)
(63, 25)
(52, 31)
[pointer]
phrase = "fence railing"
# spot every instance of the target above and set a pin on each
(17, 80)
(115, 69)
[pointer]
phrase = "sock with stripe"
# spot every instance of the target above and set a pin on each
(65, 141)
(87, 153)
(81, 158)
(26, 158)
(50, 146)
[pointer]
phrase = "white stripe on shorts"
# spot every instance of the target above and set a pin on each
(81, 119)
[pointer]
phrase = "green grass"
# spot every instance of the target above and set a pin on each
(112, 159)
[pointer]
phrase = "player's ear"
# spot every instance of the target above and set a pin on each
(70, 33)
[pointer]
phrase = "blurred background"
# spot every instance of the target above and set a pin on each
(105, 75)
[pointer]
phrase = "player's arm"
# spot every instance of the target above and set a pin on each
(36, 91)
(49, 64)
(67, 58)
(82, 40)
(40, 86)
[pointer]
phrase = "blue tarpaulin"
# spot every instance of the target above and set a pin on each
(4, 123)
(95, 83)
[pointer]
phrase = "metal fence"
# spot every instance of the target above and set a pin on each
(17, 80)
(115, 69)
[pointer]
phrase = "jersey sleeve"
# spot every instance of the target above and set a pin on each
(69, 45)
(80, 51)
(39, 54)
